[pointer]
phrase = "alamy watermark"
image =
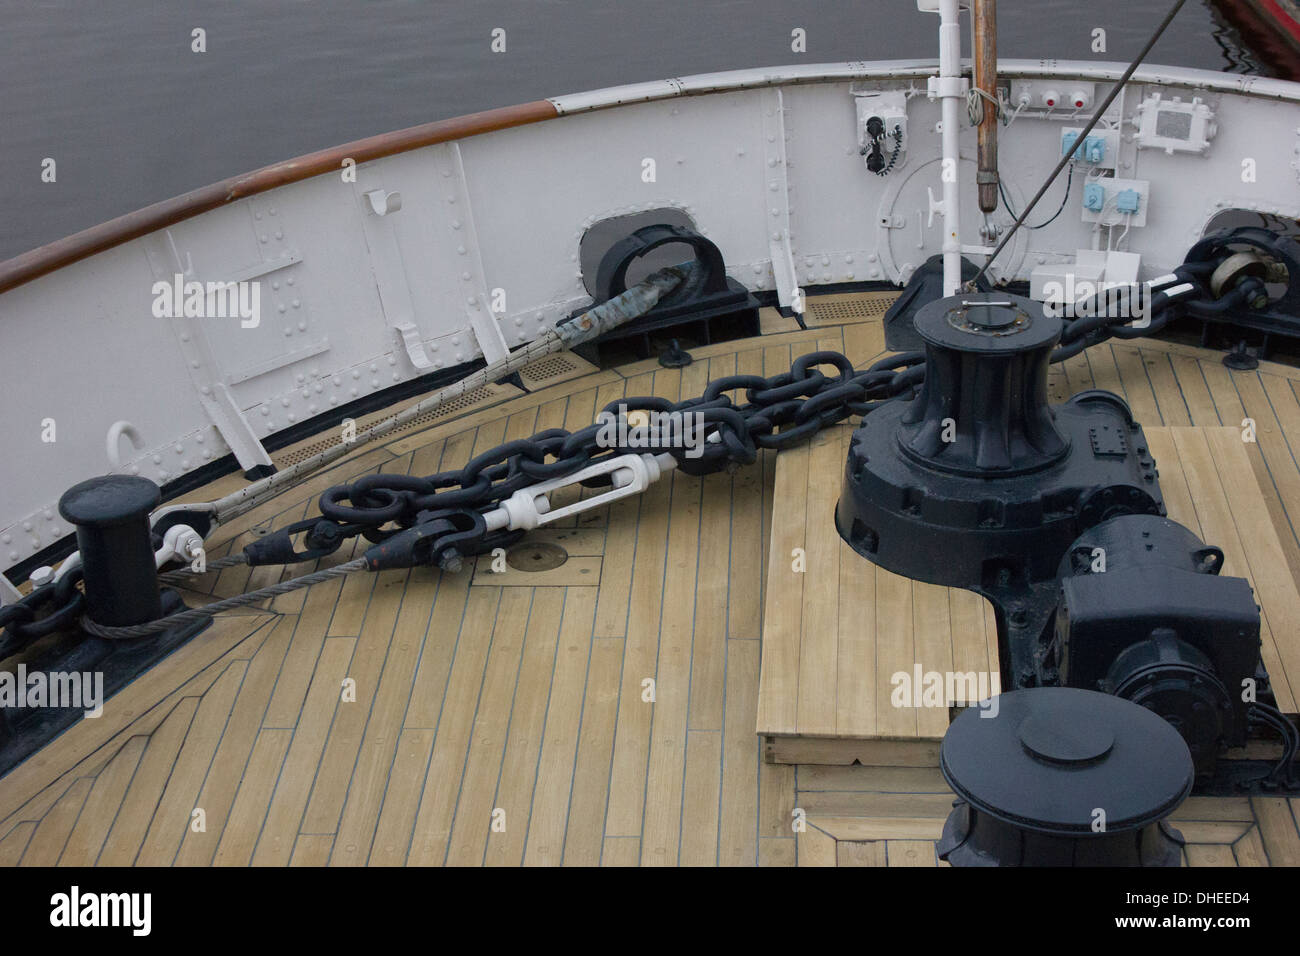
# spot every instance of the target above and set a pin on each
(922, 688)
(639, 428)
(208, 300)
(83, 690)
(1083, 298)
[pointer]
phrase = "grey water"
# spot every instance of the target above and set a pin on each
(112, 91)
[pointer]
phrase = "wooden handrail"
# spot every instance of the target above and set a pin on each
(62, 252)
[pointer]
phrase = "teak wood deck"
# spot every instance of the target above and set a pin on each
(507, 719)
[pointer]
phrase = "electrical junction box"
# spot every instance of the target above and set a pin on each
(1103, 198)
(1099, 149)
(1174, 125)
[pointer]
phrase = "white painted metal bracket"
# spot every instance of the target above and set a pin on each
(8, 593)
(214, 396)
(777, 195)
(468, 267)
(408, 337)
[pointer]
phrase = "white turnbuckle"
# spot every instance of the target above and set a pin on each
(529, 508)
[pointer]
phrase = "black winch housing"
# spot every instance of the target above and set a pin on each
(979, 482)
(1153, 622)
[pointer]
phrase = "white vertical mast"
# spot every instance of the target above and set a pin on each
(951, 89)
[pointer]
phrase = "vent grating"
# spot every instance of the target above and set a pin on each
(848, 309)
(447, 409)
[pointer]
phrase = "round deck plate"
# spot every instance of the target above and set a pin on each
(536, 556)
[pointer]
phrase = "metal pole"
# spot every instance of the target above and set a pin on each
(950, 90)
(986, 79)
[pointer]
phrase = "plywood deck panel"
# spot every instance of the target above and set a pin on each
(840, 627)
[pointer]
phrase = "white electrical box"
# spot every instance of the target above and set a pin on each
(890, 138)
(1175, 125)
(1059, 282)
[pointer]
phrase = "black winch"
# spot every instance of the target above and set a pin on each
(1145, 615)
(1056, 776)
(979, 483)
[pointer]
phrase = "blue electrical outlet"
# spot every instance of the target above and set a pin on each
(1094, 149)
(1128, 200)
(1094, 197)
(1069, 139)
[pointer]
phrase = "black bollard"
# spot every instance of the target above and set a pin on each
(111, 514)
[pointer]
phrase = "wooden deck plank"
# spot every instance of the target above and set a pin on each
(478, 781)
(856, 684)
(439, 650)
(172, 817)
(895, 652)
(52, 833)
(447, 761)
(910, 853)
(818, 665)
(665, 766)
(312, 849)
(738, 812)
(339, 761)
(514, 789)
(101, 807)
(709, 643)
(1210, 855)
(554, 787)
(247, 715)
(14, 843)
(701, 787)
(401, 801)
(778, 705)
(239, 838)
(935, 637)
(848, 853)
(374, 760)
(152, 773)
(1249, 850)
(294, 784)
(1189, 378)
(585, 832)
(621, 851)
(816, 848)
(1132, 370)
(1277, 829)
